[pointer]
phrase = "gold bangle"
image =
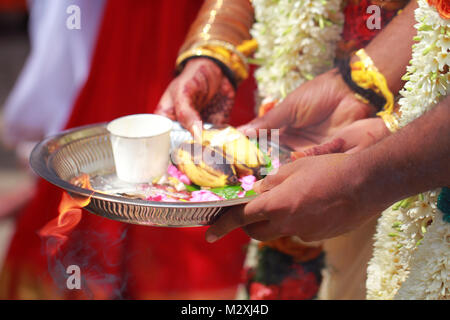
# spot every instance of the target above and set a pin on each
(226, 20)
(232, 57)
(366, 75)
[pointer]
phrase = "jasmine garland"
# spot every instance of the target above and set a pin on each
(411, 253)
(296, 42)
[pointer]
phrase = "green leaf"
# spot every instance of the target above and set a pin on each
(405, 203)
(393, 234)
(268, 162)
(250, 193)
(425, 27)
(396, 224)
(228, 192)
(267, 159)
(191, 187)
(255, 61)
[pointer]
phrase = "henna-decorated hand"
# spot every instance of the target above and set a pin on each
(200, 92)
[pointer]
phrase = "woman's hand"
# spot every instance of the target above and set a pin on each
(200, 92)
(314, 112)
(350, 139)
(361, 134)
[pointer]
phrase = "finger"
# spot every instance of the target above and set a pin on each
(262, 231)
(276, 118)
(267, 183)
(296, 141)
(186, 114)
(273, 180)
(196, 130)
(354, 150)
(233, 218)
(297, 155)
(333, 146)
(165, 105)
(257, 186)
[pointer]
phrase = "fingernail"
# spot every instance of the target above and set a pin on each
(197, 130)
(211, 238)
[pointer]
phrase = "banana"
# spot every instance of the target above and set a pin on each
(219, 158)
(237, 149)
(205, 165)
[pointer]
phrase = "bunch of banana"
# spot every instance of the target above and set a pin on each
(204, 166)
(221, 157)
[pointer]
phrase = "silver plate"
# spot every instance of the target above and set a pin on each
(61, 158)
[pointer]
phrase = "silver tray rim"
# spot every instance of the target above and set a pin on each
(39, 160)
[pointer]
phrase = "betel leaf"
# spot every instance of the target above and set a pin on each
(250, 193)
(228, 192)
(191, 187)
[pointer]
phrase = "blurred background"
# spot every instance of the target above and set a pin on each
(16, 180)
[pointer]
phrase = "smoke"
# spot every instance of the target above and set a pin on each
(98, 255)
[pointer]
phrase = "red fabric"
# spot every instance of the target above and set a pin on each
(12, 5)
(355, 26)
(132, 65)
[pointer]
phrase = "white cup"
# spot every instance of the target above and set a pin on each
(141, 146)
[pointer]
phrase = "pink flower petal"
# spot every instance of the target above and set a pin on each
(155, 198)
(174, 172)
(276, 163)
(161, 198)
(247, 182)
(204, 195)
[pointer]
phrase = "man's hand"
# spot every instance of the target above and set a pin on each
(324, 196)
(313, 198)
(314, 112)
(200, 92)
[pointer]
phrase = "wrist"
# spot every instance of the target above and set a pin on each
(347, 95)
(366, 184)
(195, 62)
(231, 61)
(368, 84)
(342, 88)
(342, 91)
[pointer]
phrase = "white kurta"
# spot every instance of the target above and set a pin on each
(55, 71)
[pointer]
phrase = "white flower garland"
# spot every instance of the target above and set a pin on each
(412, 251)
(296, 42)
